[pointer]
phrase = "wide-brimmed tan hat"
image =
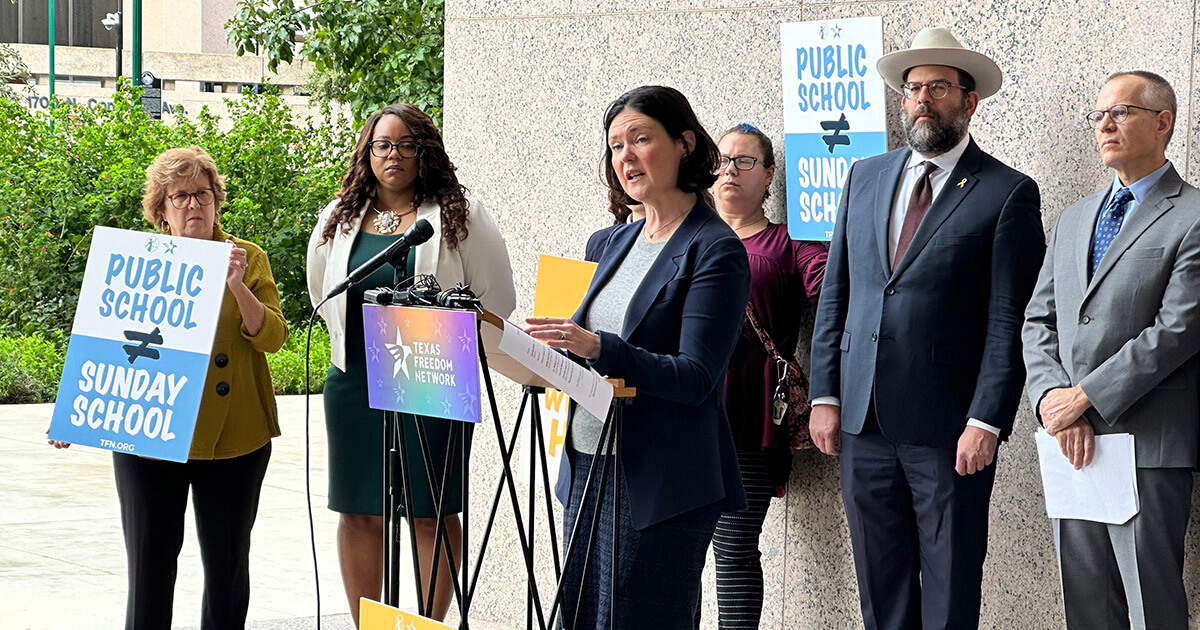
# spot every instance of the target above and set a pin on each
(939, 47)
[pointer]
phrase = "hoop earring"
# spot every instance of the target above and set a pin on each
(164, 226)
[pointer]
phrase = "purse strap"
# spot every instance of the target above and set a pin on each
(762, 334)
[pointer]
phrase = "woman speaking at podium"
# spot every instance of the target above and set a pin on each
(399, 173)
(663, 312)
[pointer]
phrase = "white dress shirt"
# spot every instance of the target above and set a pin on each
(908, 180)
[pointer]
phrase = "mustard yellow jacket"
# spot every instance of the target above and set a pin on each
(237, 411)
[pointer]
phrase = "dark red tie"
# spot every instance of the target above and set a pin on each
(918, 205)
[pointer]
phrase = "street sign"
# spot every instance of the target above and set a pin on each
(152, 95)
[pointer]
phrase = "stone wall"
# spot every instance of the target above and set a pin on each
(527, 82)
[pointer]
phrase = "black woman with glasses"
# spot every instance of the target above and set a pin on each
(399, 173)
(785, 279)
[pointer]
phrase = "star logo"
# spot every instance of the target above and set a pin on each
(447, 408)
(439, 329)
(169, 247)
(469, 398)
(837, 31)
(465, 340)
(373, 352)
(399, 395)
(382, 327)
(400, 354)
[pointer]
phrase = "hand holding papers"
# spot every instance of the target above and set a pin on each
(583, 385)
(1104, 491)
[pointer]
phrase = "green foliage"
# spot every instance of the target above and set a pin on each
(287, 365)
(59, 181)
(367, 53)
(13, 71)
(30, 368)
(31, 365)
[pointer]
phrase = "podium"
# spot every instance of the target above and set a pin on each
(398, 490)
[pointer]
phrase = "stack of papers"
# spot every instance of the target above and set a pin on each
(1104, 491)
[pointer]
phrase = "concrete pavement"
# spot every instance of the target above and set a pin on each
(62, 559)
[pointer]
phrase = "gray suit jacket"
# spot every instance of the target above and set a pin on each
(1129, 337)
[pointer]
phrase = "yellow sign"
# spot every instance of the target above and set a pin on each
(561, 285)
(375, 616)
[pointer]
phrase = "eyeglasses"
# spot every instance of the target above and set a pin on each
(383, 148)
(1116, 113)
(937, 89)
(740, 162)
(181, 200)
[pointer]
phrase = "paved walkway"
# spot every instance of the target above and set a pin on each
(62, 560)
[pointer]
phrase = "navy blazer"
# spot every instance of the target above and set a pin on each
(598, 241)
(680, 328)
(939, 338)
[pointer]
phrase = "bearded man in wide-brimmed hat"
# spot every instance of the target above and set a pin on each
(916, 357)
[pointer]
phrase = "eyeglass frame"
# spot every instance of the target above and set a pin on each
(394, 146)
(732, 159)
(906, 87)
(1108, 112)
(188, 196)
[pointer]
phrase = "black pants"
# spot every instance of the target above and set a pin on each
(153, 496)
(918, 530)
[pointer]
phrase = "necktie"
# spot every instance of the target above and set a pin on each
(1109, 224)
(918, 205)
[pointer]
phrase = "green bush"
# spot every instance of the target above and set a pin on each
(30, 367)
(58, 181)
(287, 365)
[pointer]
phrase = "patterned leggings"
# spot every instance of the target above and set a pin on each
(735, 547)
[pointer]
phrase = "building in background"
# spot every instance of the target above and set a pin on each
(183, 44)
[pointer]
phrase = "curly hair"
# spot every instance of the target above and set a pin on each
(435, 181)
(671, 109)
(174, 165)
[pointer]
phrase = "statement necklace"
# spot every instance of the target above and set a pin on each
(387, 221)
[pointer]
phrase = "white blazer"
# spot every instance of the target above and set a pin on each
(481, 261)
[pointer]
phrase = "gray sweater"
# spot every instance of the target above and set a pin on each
(607, 314)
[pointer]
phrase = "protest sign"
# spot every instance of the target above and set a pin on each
(140, 343)
(833, 114)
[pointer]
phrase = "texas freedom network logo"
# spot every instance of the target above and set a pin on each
(434, 370)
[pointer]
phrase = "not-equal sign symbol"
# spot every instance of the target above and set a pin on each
(837, 127)
(144, 340)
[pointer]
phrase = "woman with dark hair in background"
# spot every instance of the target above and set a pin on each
(399, 173)
(785, 279)
(663, 312)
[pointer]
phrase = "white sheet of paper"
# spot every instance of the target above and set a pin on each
(1104, 491)
(583, 385)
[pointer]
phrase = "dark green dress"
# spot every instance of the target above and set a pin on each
(356, 431)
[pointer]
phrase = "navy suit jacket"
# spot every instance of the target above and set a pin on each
(939, 338)
(598, 241)
(680, 328)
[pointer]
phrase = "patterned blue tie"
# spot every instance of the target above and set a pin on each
(1109, 225)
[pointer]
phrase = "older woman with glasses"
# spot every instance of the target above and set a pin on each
(231, 444)
(399, 173)
(785, 279)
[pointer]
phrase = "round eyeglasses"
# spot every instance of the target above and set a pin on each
(383, 148)
(740, 162)
(1116, 113)
(937, 89)
(181, 200)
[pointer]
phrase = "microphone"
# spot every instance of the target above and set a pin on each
(420, 232)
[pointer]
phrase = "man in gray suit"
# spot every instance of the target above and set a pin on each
(1110, 343)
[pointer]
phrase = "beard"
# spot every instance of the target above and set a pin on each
(936, 136)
